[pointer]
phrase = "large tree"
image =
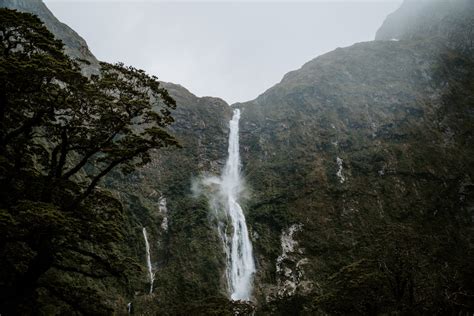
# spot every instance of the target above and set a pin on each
(60, 134)
(32, 65)
(56, 120)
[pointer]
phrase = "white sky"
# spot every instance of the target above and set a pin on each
(233, 50)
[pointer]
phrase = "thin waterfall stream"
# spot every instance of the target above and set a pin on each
(148, 260)
(238, 249)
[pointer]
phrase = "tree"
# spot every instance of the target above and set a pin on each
(403, 269)
(56, 120)
(116, 119)
(32, 65)
(58, 126)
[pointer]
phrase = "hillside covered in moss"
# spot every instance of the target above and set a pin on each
(360, 194)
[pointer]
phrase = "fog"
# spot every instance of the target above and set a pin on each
(232, 50)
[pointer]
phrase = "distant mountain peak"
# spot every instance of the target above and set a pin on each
(448, 20)
(75, 45)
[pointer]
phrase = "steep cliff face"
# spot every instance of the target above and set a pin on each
(375, 133)
(360, 174)
(358, 141)
(186, 252)
(75, 45)
(451, 22)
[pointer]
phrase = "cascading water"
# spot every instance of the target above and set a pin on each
(148, 260)
(238, 248)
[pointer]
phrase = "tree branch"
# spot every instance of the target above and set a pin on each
(104, 172)
(64, 151)
(89, 154)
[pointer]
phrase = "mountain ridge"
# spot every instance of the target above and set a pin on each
(359, 149)
(75, 45)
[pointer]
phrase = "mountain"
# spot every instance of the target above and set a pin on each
(361, 139)
(359, 168)
(448, 21)
(146, 195)
(185, 246)
(75, 45)
(358, 150)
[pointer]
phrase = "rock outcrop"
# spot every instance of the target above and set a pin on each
(75, 45)
(360, 174)
(373, 135)
(450, 22)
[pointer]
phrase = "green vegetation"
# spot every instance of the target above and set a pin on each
(394, 238)
(60, 134)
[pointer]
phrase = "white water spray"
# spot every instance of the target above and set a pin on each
(148, 260)
(238, 248)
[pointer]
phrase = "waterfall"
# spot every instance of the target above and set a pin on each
(238, 249)
(148, 260)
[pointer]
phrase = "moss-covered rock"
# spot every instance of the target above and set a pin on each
(368, 149)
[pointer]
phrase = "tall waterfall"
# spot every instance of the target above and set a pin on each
(148, 260)
(238, 248)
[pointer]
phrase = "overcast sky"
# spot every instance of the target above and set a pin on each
(229, 49)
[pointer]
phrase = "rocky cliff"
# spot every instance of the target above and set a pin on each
(356, 151)
(75, 45)
(357, 140)
(360, 175)
(451, 22)
(157, 197)
(185, 248)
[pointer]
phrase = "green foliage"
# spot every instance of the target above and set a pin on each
(57, 121)
(32, 65)
(390, 238)
(62, 241)
(211, 305)
(394, 238)
(397, 273)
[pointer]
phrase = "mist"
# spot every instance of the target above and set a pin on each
(232, 50)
